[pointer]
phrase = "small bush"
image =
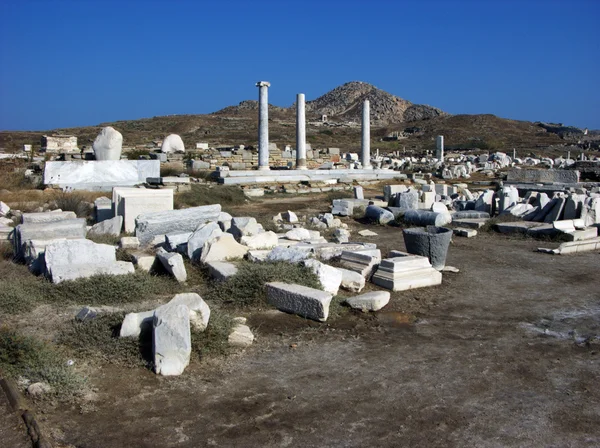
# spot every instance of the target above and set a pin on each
(74, 202)
(344, 194)
(99, 339)
(213, 341)
(166, 171)
(104, 239)
(20, 294)
(247, 287)
(37, 361)
(206, 195)
(136, 154)
(490, 224)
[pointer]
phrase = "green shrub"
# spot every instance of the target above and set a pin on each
(74, 202)
(20, 294)
(206, 195)
(99, 339)
(213, 341)
(247, 287)
(38, 361)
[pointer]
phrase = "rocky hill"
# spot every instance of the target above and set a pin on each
(346, 101)
(397, 124)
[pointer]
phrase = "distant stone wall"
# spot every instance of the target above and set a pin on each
(59, 143)
(244, 159)
(543, 176)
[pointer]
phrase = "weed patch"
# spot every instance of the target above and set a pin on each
(206, 195)
(98, 339)
(22, 293)
(37, 361)
(74, 202)
(213, 341)
(247, 287)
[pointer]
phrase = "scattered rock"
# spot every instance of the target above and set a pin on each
(222, 248)
(221, 270)
(367, 233)
(110, 226)
(241, 336)
(330, 277)
(129, 242)
(301, 300)
(172, 344)
(173, 263)
(371, 301)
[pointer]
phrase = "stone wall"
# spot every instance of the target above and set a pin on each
(543, 176)
(59, 143)
(244, 159)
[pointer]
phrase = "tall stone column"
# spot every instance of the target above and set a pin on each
(366, 136)
(439, 145)
(300, 133)
(263, 125)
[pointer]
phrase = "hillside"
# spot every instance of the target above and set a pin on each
(415, 125)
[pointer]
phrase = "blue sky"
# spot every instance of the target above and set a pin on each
(83, 62)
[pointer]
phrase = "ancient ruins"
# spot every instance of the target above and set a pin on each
(431, 199)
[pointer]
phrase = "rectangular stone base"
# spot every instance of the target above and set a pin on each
(99, 175)
(287, 176)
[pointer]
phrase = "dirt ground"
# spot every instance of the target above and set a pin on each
(499, 355)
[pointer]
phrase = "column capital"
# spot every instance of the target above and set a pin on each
(263, 84)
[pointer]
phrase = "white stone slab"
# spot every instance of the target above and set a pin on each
(132, 202)
(99, 175)
(302, 300)
(172, 342)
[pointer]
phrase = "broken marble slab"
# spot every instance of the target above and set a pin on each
(370, 301)
(174, 221)
(173, 264)
(301, 300)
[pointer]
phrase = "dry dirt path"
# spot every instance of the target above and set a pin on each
(468, 372)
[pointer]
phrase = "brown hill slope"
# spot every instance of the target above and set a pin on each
(234, 125)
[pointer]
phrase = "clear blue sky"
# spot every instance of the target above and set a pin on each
(83, 62)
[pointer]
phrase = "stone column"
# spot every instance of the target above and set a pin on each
(300, 133)
(439, 145)
(366, 136)
(514, 154)
(263, 125)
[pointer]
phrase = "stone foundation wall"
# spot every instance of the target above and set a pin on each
(543, 176)
(247, 160)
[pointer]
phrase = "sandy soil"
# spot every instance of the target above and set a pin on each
(496, 356)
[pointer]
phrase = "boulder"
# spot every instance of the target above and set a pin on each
(200, 236)
(301, 300)
(129, 242)
(241, 336)
(341, 235)
(351, 280)
(244, 226)
(172, 143)
(221, 270)
(172, 341)
(149, 225)
(330, 277)
(4, 209)
(262, 241)
(222, 248)
(110, 226)
(370, 301)
(108, 144)
(378, 214)
(290, 217)
(298, 234)
(289, 254)
(198, 308)
(173, 264)
(133, 323)
(46, 217)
